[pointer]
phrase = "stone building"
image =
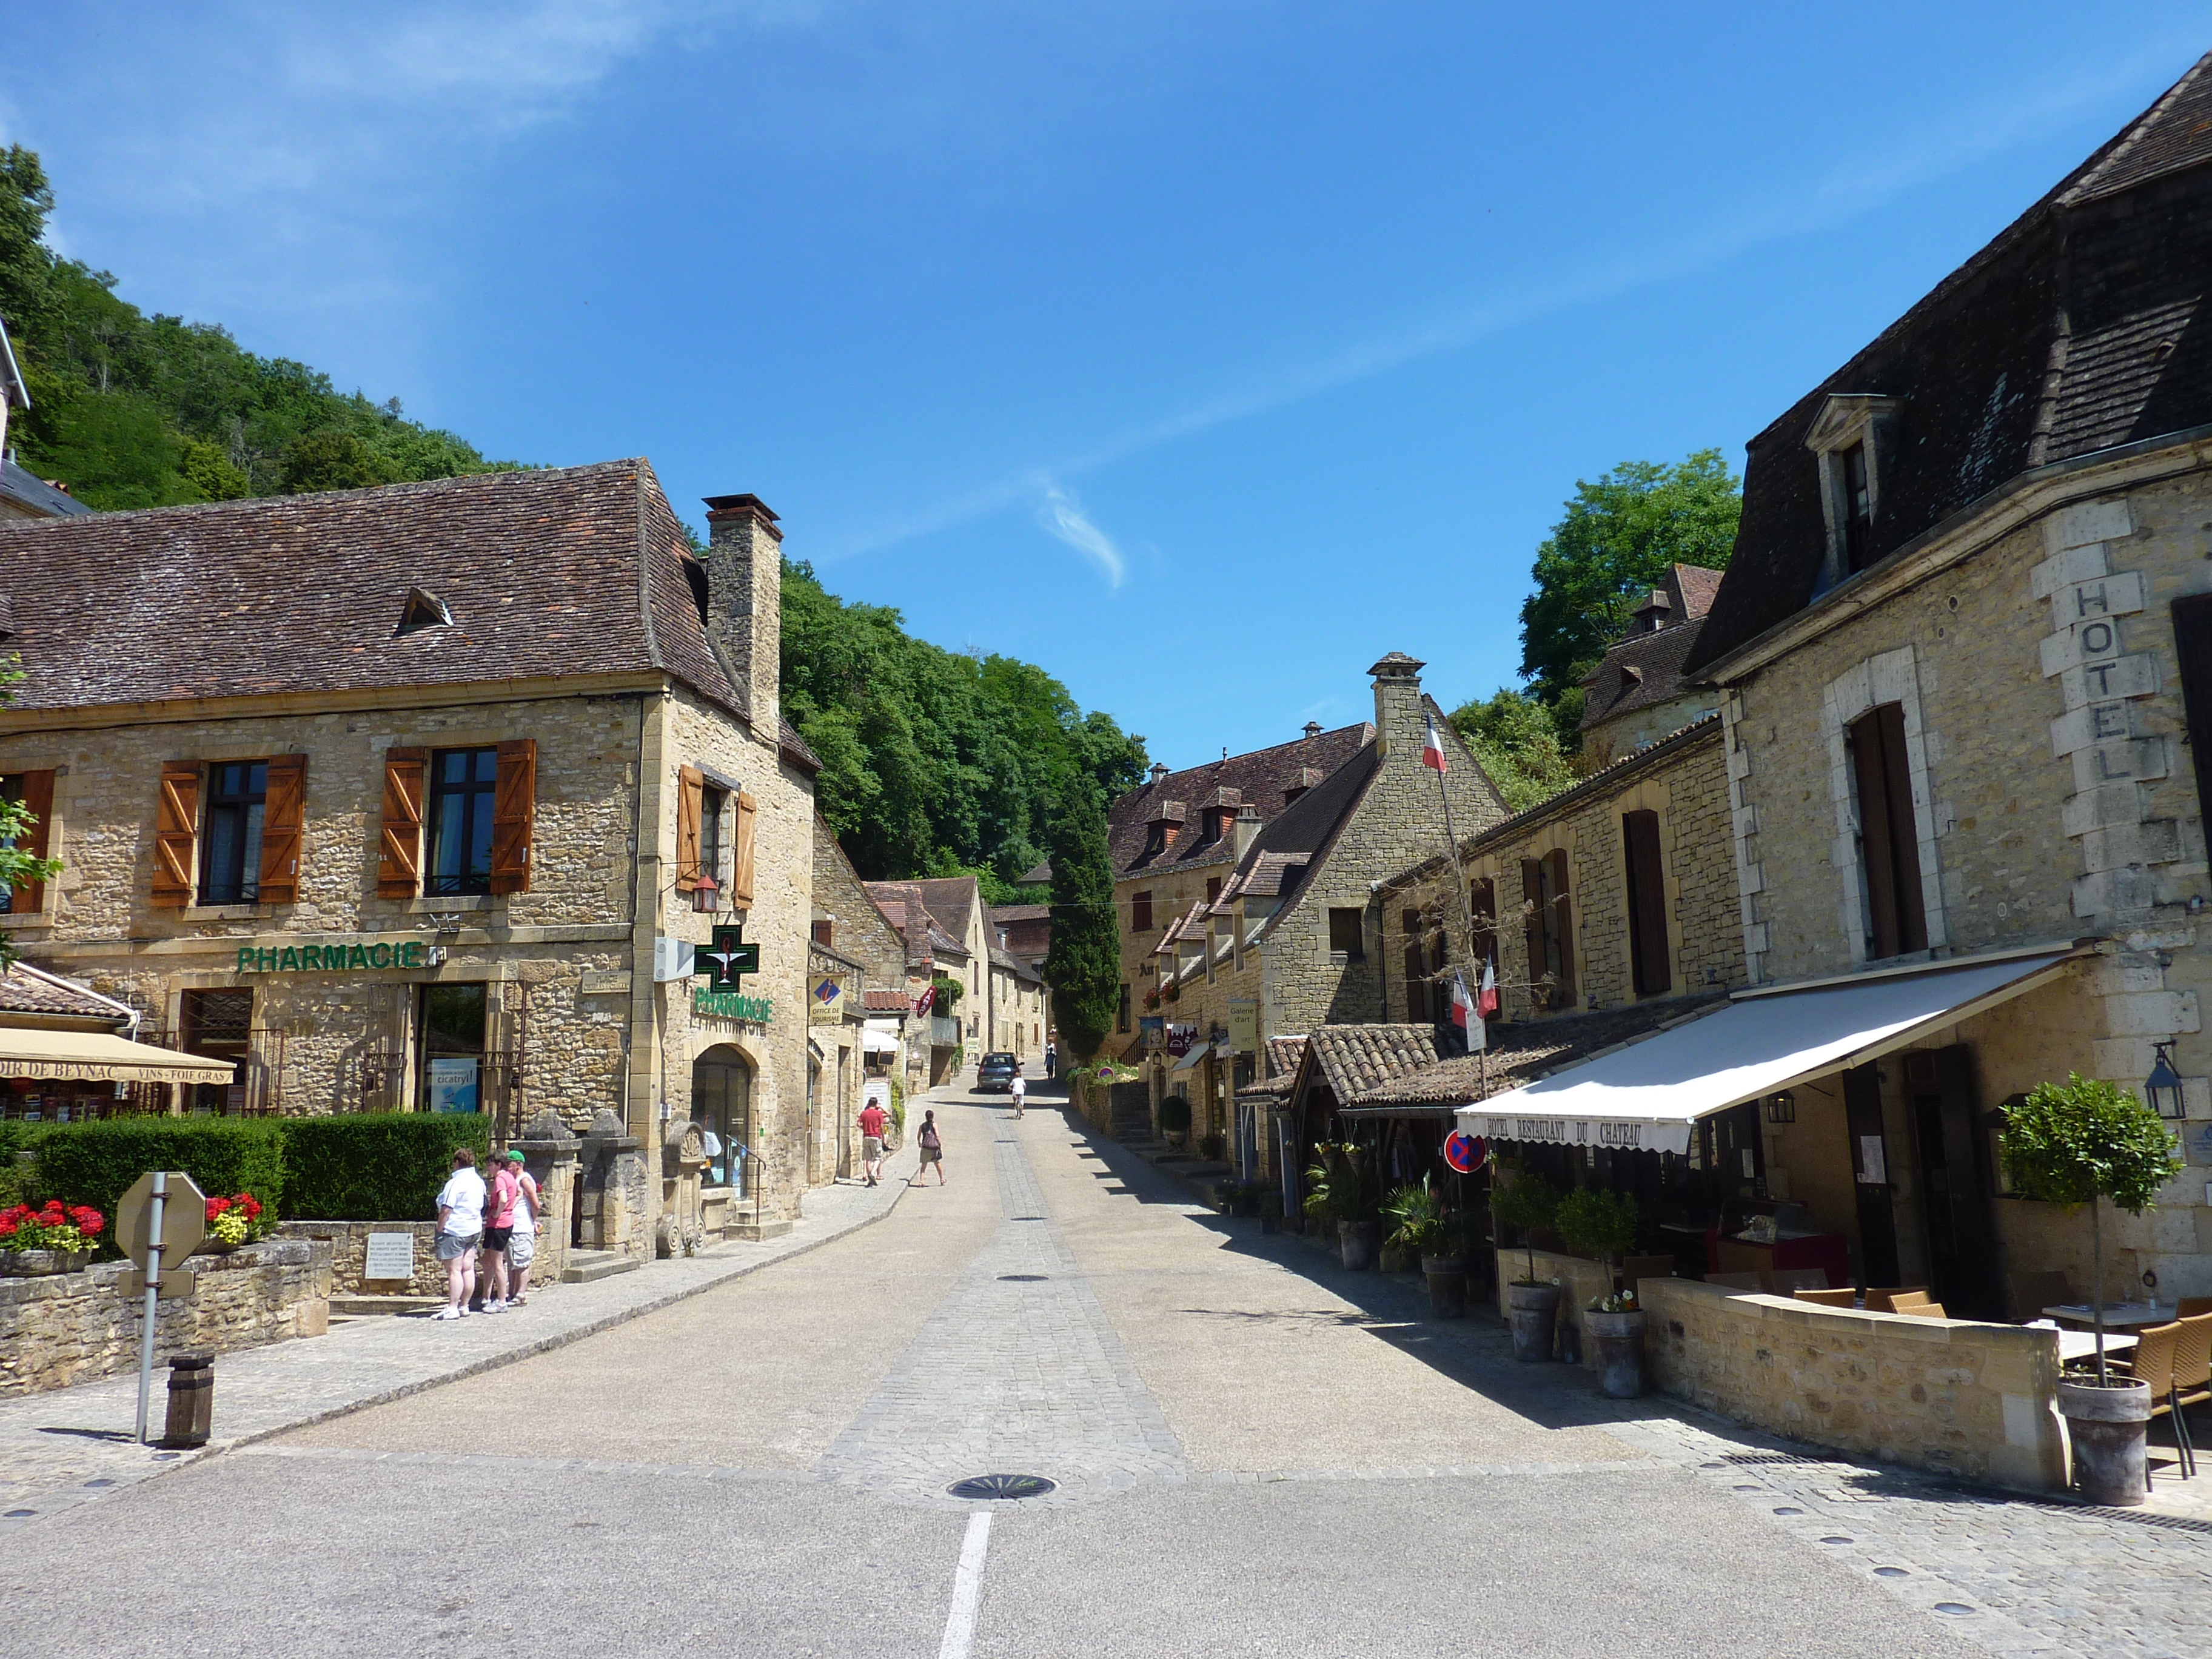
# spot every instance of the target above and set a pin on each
(1293, 938)
(934, 956)
(410, 798)
(1963, 648)
(848, 920)
(1001, 1008)
(1637, 694)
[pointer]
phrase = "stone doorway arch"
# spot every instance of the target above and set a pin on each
(722, 1106)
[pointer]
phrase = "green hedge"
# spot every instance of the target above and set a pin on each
(95, 1163)
(375, 1166)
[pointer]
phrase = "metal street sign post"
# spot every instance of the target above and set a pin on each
(161, 1219)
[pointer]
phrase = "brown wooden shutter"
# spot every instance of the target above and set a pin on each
(690, 798)
(283, 822)
(1140, 910)
(1482, 901)
(1649, 957)
(1555, 864)
(1532, 894)
(37, 839)
(175, 853)
(2192, 646)
(513, 810)
(741, 876)
(399, 855)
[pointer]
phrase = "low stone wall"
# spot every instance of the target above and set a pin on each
(73, 1328)
(349, 1246)
(1581, 1282)
(1948, 1395)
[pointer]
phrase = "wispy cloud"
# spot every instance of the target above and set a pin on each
(1062, 515)
(1849, 191)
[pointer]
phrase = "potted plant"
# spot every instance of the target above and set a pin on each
(2082, 1142)
(1528, 1202)
(1436, 1238)
(51, 1238)
(1271, 1211)
(1210, 1147)
(231, 1222)
(1603, 1224)
(1175, 1119)
(1337, 1192)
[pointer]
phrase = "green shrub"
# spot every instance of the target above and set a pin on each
(375, 1166)
(95, 1163)
(1174, 1115)
(1596, 1223)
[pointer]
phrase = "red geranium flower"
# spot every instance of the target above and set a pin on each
(251, 1205)
(215, 1206)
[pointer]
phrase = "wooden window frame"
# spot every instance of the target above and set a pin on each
(1351, 952)
(176, 835)
(399, 847)
(34, 792)
(1896, 916)
(1140, 912)
(477, 796)
(216, 887)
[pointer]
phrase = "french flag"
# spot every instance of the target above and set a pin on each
(1485, 1000)
(1432, 753)
(1467, 1014)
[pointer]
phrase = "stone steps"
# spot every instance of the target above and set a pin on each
(584, 1266)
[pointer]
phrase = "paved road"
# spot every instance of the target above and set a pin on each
(1256, 1456)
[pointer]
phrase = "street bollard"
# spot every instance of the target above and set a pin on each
(191, 1400)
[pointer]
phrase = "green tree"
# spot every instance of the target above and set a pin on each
(1620, 533)
(27, 301)
(2080, 1142)
(17, 865)
(1083, 967)
(1516, 739)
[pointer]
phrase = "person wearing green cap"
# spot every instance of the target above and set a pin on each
(522, 1237)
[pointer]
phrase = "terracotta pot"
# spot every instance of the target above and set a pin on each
(1447, 1280)
(1618, 1338)
(37, 1264)
(1533, 1311)
(2108, 1427)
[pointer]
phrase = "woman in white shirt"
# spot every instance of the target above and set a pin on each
(460, 1226)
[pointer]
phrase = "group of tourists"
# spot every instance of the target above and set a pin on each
(499, 1218)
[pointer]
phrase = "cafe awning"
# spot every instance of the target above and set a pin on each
(1645, 1096)
(101, 1057)
(1198, 1051)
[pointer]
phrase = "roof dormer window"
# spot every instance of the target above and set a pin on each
(1851, 438)
(424, 610)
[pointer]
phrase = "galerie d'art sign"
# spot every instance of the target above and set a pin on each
(334, 958)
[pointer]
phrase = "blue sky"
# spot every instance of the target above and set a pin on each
(1201, 352)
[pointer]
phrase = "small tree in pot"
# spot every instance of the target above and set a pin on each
(1339, 1188)
(1427, 1230)
(2082, 1142)
(1527, 1202)
(1603, 1224)
(1175, 1119)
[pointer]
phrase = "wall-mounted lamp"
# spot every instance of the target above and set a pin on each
(2163, 1086)
(707, 896)
(1782, 1107)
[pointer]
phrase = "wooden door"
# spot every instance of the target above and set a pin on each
(1869, 1153)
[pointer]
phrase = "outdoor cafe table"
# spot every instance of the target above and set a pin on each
(2121, 1315)
(2080, 1344)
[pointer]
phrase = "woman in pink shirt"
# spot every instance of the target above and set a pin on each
(498, 1225)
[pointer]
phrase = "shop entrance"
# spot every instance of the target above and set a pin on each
(453, 1027)
(1955, 1183)
(722, 1105)
(1870, 1175)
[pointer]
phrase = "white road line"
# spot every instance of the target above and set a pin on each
(967, 1590)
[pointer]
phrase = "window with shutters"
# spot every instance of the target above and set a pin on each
(1888, 835)
(463, 791)
(741, 853)
(1549, 930)
(1213, 890)
(1650, 959)
(1417, 969)
(1482, 904)
(34, 793)
(1347, 936)
(1140, 912)
(825, 932)
(713, 803)
(237, 793)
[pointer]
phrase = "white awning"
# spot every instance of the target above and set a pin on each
(873, 1041)
(1646, 1095)
(1198, 1051)
(102, 1057)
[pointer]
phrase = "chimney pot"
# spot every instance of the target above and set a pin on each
(1313, 730)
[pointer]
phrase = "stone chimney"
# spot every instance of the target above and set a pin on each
(1159, 770)
(1246, 825)
(745, 607)
(1400, 726)
(1313, 730)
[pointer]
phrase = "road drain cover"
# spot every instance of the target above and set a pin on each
(1028, 1217)
(1002, 1485)
(1022, 1279)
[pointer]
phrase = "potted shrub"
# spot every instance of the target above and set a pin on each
(1175, 1119)
(1436, 1238)
(53, 1237)
(1603, 1224)
(2082, 1142)
(1338, 1190)
(1271, 1211)
(1210, 1147)
(1528, 1202)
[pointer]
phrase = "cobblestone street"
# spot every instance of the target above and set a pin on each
(1255, 1452)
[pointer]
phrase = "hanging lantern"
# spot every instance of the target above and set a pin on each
(707, 896)
(2163, 1085)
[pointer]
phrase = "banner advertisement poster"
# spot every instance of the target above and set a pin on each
(453, 1083)
(1155, 1028)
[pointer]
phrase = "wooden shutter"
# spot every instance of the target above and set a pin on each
(399, 855)
(176, 860)
(514, 808)
(283, 822)
(741, 875)
(1140, 910)
(1482, 902)
(1649, 957)
(690, 798)
(1563, 926)
(37, 840)
(1532, 894)
(1889, 842)
(2192, 646)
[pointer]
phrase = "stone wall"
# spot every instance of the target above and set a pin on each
(73, 1328)
(348, 1242)
(1947, 1394)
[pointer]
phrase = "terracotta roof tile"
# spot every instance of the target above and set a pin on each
(1527, 1050)
(1354, 1060)
(1258, 779)
(27, 990)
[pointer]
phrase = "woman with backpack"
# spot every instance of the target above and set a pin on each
(932, 1149)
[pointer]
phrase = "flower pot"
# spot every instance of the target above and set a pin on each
(1447, 1279)
(1532, 1310)
(1270, 1224)
(2107, 1427)
(1357, 1244)
(1619, 1338)
(36, 1264)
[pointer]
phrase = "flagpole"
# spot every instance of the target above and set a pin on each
(1451, 865)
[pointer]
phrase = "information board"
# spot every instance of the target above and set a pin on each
(390, 1256)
